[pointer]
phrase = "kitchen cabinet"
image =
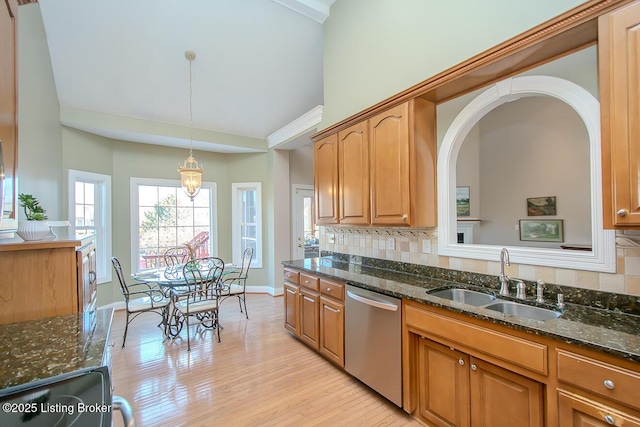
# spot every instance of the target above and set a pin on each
(332, 321)
(403, 165)
(314, 312)
(8, 114)
(596, 393)
(87, 277)
(353, 175)
(456, 389)
(46, 278)
(619, 59)
(380, 171)
(292, 301)
(310, 311)
(325, 165)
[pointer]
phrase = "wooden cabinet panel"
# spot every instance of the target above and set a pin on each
(501, 398)
(87, 278)
(353, 175)
(291, 276)
(619, 59)
(325, 166)
(577, 411)
(292, 308)
(606, 380)
(332, 330)
(310, 318)
(309, 282)
(389, 154)
(332, 289)
(8, 113)
(511, 349)
(443, 382)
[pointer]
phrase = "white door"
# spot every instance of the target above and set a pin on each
(305, 235)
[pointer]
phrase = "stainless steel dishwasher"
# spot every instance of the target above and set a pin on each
(373, 341)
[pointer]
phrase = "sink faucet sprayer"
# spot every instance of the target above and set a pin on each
(504, 280)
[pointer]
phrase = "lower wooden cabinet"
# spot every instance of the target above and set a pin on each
(310, 318)
(455, 389)
(314, 312)
(578, 411)
(87, 277)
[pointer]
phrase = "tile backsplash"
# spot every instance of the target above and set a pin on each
(421, 247)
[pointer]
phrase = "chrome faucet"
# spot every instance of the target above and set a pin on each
(504, 280)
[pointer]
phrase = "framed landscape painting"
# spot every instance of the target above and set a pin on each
(542, 230)
(537, 206)
(462, 201)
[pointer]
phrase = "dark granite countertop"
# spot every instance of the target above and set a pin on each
(37, 350)
(612, 331)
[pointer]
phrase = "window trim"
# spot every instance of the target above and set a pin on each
(236, 245)
(103, 217)
(134, 212)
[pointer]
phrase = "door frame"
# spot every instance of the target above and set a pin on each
(297, 226)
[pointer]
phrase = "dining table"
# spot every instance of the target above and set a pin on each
(172, 281)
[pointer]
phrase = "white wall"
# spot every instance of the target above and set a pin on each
(374, 49)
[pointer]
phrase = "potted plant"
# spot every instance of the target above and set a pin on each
(35, 226)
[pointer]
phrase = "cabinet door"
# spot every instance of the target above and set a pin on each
(389, 167)
(500, 398)
(443, 381)
(292, 308)
(87, 278)
(310, 318)
(332, 330)
(353, 174)
(578, 411)
(619, 56)
(325, 163)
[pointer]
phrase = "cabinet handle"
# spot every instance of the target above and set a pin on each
(621, 212)
(328, 289)
(290, 291)
(309, 299)
(92, 277)
(404, 217)
(473, 367)
(610, 420)
(609, 384)
(461, 362)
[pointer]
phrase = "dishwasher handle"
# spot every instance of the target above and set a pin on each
(373, 303)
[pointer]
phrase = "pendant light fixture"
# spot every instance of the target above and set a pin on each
(190, 170)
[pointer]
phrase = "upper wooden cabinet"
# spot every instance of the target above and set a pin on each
(325, 165)
(384, 169)
(353, 174)
(619, 58)
(8, 113)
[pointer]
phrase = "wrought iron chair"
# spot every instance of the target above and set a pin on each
(174, 260)
(235, 283)
(201, 300)
(141, 297)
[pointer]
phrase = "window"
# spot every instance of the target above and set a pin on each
(90, 210)
(246, 221)
(162, 216)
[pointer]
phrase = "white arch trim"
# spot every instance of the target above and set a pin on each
(603, 255)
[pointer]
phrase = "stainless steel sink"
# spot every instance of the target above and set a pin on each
(523, 310)
(465, 296)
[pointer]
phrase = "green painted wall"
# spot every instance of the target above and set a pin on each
(374, 49)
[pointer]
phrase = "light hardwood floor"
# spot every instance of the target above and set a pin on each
(259, 375)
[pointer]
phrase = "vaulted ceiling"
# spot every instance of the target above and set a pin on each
(120, 69)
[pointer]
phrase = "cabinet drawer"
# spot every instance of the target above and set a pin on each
(517, 351)
(309, 282)
(610, 381)
(292, 276)
(332, 289)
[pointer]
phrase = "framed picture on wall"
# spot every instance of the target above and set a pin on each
(462, 201)
(541, 230)
(538, 206)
